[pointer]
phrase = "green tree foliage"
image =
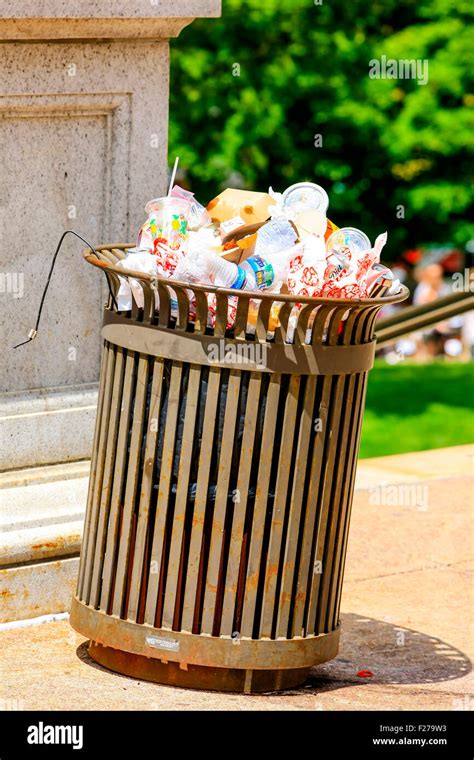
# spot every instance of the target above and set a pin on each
(251, 91)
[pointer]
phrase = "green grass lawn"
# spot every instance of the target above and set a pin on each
(413, 407)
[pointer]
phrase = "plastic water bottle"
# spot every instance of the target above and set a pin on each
(226, 274)
(254, 273)
(259, 273)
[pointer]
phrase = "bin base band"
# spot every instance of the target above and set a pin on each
(196, 676)
(197, 660)
(196, 348)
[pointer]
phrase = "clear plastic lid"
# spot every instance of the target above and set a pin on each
(305, 196)
(168, 203)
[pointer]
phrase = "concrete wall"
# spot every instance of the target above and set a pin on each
(83, 140)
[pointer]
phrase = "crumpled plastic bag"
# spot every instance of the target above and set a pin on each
(139, 262)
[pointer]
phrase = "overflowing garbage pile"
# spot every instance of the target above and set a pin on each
(256, 241)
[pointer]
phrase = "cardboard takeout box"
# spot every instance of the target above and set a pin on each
(245, 238)
(249, 205)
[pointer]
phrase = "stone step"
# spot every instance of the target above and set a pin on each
(45, 426)
(46, 474)
(41, 520)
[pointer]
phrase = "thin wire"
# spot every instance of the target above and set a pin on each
(33, 333)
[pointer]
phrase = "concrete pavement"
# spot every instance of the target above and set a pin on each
(407, 613)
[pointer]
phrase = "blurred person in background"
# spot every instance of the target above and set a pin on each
(467, 329)
(442, 339)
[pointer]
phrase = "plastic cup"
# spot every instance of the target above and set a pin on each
(168, 218)
(348, 239)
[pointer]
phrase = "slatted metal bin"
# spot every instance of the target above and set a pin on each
(221, 485)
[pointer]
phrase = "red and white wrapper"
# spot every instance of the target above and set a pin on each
(307, 269)
(334, 276)
(231, 310)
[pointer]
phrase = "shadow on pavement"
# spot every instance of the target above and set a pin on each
(392, 653)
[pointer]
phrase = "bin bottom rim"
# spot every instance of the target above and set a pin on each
(196, 676)
(187, 649)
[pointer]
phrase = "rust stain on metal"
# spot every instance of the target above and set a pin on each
(47, 545)
(252, 580)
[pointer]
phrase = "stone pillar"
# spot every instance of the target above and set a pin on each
(83, 140)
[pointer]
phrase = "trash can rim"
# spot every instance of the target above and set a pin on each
(88, 254)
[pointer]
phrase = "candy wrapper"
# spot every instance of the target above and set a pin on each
(337, 271)
(307, 268)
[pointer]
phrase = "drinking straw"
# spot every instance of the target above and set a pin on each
(173, 174)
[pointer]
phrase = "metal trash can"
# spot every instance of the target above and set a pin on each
(221, 483)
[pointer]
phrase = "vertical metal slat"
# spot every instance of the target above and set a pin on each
(131, 485)
(310, 525)
(336, 500)
(345, 500)
(278, 517)
(93, 585)
(220, 509)
(362, 385)
(164, 485)
(146, 486)
(261, 499)
(299, 477)
(243, 481)
(323, 516)
(108, 570)
(94, 459)
(91, 528)
(200, 502)
(192, 401)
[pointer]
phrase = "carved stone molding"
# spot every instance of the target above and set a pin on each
(94, 19)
